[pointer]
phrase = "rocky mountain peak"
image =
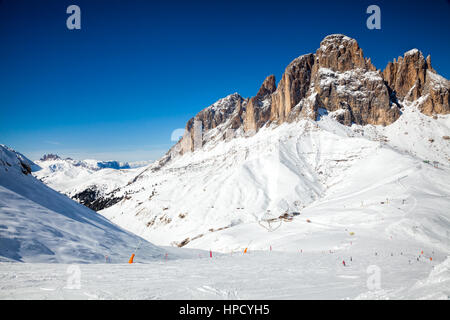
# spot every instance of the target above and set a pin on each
(336, 78)
(292, 88)
(257, 111)
(267, 88)
(411, 77)
(50, 156)
(226, 113)
(341, 53)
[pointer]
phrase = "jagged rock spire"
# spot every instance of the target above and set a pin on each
(336, 77)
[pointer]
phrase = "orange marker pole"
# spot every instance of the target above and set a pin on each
(131, 259)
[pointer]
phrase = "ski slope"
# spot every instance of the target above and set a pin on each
(38, 224)
(255, 275)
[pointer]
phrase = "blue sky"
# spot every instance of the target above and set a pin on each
(137, 70)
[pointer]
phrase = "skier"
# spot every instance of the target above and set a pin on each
(343, 262)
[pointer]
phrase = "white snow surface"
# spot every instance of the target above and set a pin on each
(255, 275)
(72, 176)
(38, 224)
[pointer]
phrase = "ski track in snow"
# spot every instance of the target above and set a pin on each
(255, 275)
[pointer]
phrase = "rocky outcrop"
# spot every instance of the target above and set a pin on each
(226, 114)
(92, 198)
(362, 93)
(341, 53)
(258, 108)
(344, 80)
(50, 156)
(292, 88)
(407, 75)
(437, 96)
(412, 77)
(337, 79)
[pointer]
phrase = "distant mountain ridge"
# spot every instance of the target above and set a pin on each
(336, 77)
(91, 164)
(85, 181)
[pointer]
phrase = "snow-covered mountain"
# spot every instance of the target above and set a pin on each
(85, 181)
(365, 177)
(49, 159)
(38, 224)
(338, 170)
(334, 128)
(371, 147)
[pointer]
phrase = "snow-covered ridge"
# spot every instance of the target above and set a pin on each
(224, 103)
(15, 160)
(91, 164)
(411, 52)
(332, 39)
(437, 80)
(85, 181)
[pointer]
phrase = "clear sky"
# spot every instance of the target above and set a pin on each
(137, 70)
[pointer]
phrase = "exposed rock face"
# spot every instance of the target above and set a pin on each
(94, 200)
(361, 92)
(437, 95)
(344, 79)
(227, 113)
(258, 107)
(307, 108)
(336, 79)
(407, 75)
(341, 53)
(267, 88)
(412, 77)
(292, 88)
(50, 156)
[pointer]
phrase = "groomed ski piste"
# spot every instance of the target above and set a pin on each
(368, 217)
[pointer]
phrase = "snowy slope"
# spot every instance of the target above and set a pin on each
(256, 275)
(38, 224)
(336, 175)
